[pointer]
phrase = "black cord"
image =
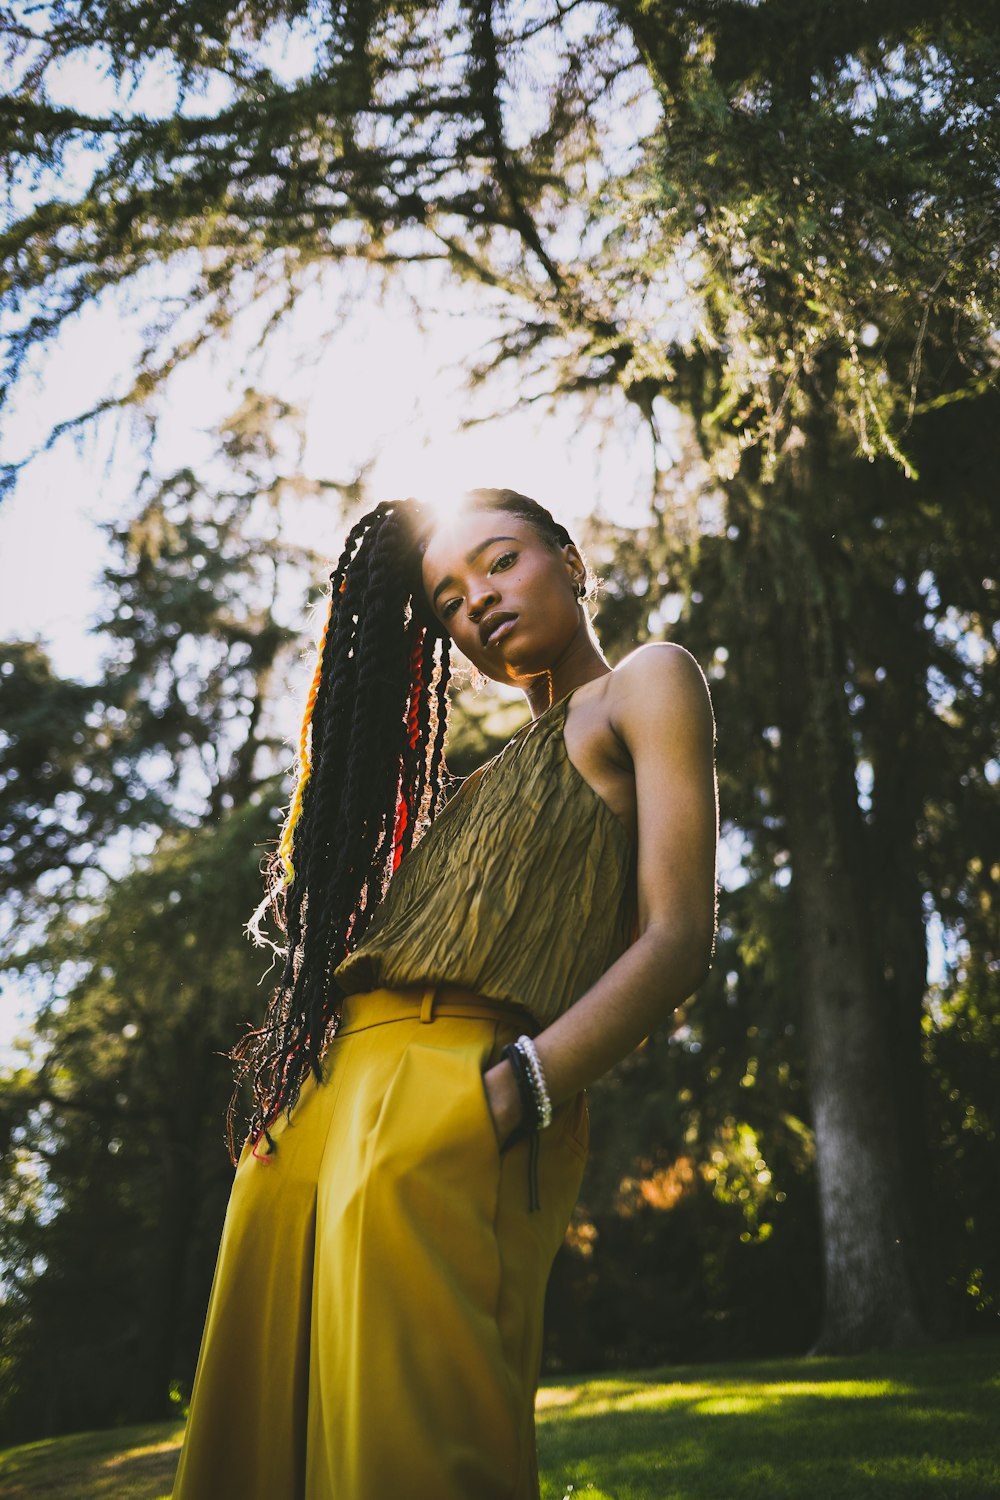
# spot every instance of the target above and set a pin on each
(529, 1120)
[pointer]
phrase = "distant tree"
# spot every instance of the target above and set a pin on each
(164, 780)
(817, 1001)
(176, 729)
(116, 1173)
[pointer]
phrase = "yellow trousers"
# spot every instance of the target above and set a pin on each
(375, 1323)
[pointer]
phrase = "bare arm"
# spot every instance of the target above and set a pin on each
(663, 715)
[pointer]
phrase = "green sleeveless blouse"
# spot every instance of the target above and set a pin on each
(523, 888)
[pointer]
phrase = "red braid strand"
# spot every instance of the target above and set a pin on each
(403, 809)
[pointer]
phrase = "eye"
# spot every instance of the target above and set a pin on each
(504, 561)
(449, 608)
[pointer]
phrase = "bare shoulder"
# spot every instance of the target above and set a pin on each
(657, 686)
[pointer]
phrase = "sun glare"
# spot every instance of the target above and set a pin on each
(441, 493)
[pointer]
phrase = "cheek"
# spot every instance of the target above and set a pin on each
(540, 581)
(550, 611)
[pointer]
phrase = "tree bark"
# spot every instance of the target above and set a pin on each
(871, 1262)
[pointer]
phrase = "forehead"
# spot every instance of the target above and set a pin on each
(455, 538)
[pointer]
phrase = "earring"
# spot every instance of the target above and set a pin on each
(581, 588)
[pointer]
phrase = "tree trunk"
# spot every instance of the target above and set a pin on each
(185, 1149)
(871, 1294)
(898, 737)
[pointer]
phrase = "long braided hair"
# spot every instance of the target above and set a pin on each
(371, 759)
(370, 772)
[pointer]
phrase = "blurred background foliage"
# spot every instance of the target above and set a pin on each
(782, 221)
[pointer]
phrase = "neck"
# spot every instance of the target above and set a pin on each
(581, 662)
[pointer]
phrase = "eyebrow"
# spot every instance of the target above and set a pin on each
(470, 558)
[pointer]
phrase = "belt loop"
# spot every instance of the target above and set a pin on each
(427, 1004)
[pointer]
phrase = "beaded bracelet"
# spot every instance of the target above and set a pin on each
(543, 1104)
(536, 1106)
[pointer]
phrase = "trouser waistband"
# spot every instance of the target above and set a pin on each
(427, 1003)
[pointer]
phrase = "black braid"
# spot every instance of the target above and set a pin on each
(441, 723)
(425, 774)
(342, 844)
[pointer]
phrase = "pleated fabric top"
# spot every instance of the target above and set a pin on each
(523, 888)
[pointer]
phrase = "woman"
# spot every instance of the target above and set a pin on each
(420, 1127)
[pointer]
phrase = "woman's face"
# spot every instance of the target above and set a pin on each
(506, 597)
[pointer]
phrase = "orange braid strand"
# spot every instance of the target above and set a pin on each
(305, 757)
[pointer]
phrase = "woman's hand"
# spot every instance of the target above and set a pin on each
(504, 1101)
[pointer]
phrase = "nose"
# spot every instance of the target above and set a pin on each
(481, 598)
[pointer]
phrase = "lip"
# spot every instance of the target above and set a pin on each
(495, 626)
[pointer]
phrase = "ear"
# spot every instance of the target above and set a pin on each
(576, 568)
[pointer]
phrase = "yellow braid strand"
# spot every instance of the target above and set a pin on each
(305, 758)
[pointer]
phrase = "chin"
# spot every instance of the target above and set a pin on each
(508, 674)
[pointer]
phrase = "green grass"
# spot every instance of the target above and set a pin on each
(126, 1463)
(921, 1426)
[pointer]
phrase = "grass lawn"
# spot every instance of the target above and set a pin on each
(921, 1426)
(126, 1463)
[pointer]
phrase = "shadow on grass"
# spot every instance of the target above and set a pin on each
(875, 1427)
(891, 1427)
(125, 1463)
